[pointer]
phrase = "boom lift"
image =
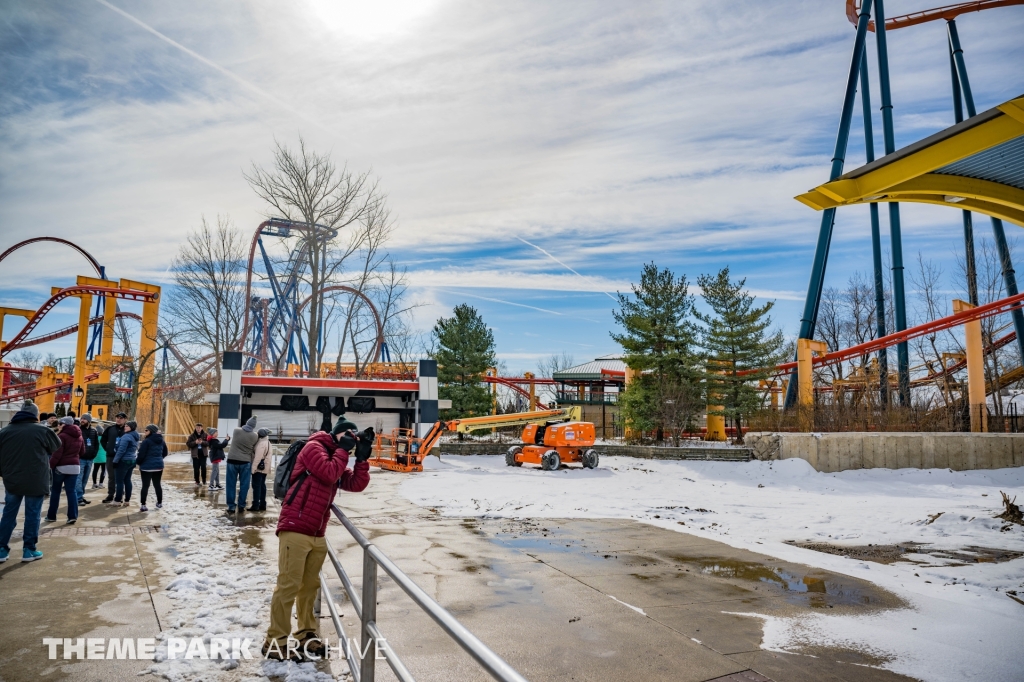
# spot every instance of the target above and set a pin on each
(550, 438)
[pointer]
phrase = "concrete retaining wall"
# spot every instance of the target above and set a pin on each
(830, 452)
(644, 452)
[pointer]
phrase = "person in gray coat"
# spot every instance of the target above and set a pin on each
(25, 449)
(239, 470)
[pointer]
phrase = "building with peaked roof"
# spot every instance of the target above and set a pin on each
(595, 385)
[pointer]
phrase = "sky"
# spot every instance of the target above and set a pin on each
(535, 155)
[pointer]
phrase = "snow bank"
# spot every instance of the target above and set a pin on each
(962, 616)
(222, 589)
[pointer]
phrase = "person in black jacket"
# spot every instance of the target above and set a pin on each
(196, 444)
(91, 440)
(25, 449)
(216, 447)
(150, 460)
(110, 436)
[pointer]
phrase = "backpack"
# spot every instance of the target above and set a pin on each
(283, 475)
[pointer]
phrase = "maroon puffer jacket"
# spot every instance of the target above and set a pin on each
(326, 463)
(71, 446)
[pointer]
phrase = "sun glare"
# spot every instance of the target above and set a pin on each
(371, 20)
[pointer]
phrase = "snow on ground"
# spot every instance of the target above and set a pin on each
(222, 589)
(966, 626)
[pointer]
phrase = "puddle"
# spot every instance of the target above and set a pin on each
(817, 590)
(914, 552)
(251, 537)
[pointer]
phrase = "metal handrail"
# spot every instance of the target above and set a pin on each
(365, 606)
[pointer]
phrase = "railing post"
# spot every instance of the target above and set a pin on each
(368, 652)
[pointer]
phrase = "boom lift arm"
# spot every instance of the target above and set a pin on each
(403, 452)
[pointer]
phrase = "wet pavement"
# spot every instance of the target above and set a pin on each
(558, 599)
(595, 599)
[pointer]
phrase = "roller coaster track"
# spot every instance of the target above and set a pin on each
(944, 13)
(68, 331)
(369, 304)
(127, 294)
(55, 388)
(22, 370)
(514, 384)
(88, 256)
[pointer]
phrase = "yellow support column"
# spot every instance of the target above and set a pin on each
(15, 312)
(975, 369)
(805, 350)
(630, 375)
(82, 348)
(715, 430)
(47, 378)
(533, 391)
(147, 345)
(104, 360)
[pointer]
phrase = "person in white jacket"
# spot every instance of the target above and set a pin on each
(261, 464)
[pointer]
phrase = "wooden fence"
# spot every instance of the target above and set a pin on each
(180, 420)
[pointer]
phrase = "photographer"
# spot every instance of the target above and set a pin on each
(320, 470)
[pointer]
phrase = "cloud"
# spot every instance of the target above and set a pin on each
(507, 279)
(608, 134)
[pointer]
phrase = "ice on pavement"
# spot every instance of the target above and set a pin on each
(222, 589)
(967, 627)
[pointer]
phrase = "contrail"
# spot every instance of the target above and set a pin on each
(520, 305)
(195, 55)
(498, 300)
(583, 277)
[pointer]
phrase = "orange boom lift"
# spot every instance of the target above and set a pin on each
(550, 439)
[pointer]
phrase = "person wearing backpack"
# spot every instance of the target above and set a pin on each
(91, 439)
(260, 469)
(319, 470)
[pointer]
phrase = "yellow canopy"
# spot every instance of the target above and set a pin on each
(976, 165)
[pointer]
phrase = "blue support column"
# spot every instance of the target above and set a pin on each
(1005, 262)
(970, 264)
(876, 240)
(899, 299)
(809, 318)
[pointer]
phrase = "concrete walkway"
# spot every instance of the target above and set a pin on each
(572, 600)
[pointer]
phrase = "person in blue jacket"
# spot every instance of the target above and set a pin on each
(124, 464)
(152, 451)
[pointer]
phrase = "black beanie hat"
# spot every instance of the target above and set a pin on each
(343, 425)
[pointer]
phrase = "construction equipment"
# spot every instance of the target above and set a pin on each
(550, 438)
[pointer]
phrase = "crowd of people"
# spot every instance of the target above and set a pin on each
(249, 461)
(58, 455)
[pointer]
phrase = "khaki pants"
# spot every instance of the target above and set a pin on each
(299, 559)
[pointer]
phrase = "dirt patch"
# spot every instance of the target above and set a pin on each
(913, 552)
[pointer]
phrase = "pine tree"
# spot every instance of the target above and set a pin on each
(740, 349)
(659, 343)
(465, 350)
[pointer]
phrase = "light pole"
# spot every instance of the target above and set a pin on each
(79, 393)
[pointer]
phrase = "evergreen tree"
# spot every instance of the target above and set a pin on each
(659, 342)
(465, 349)
(740, 348)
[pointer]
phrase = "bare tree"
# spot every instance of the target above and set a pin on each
(927, 282)
(830, 325)
(546, 367)
(208, 302)
(559, 362)
(305, 186)
(27, 359)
